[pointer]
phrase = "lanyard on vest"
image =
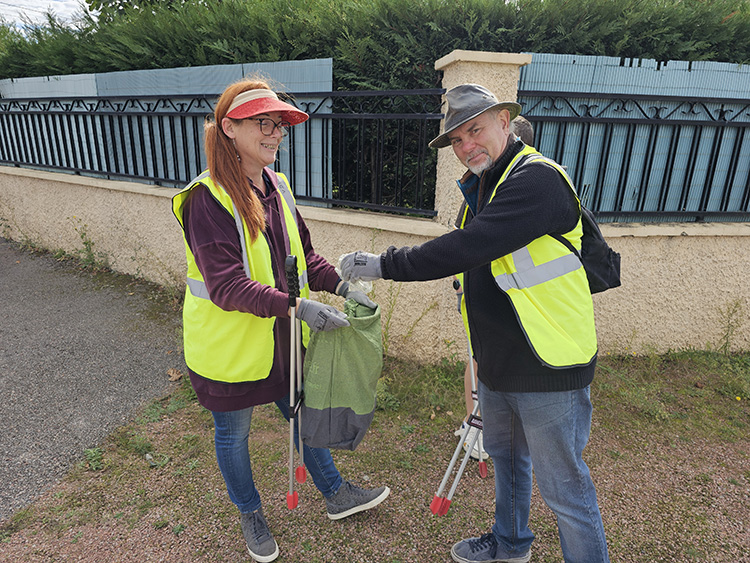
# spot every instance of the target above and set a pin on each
(282, 191)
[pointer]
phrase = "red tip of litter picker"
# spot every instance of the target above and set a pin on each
(444, 506)
(300, 474)
(483, 469)
(291, 500)
(435, 504)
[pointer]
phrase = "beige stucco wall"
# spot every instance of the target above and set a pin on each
(680, 281)
(128, 223)
(677, 279)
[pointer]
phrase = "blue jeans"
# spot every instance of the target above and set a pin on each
(230, 440)
(547, 431)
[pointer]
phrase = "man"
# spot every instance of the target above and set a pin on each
(531, 323)
(521, 128)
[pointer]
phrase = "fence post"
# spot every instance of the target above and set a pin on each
(499, 72)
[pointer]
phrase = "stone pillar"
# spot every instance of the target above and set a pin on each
(499, 73)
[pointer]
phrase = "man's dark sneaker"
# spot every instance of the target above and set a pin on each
(484, 550)
(260, 542)
(350, 499)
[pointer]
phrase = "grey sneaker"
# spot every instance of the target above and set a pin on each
(485, 550)
(350, 499)
(260, 542)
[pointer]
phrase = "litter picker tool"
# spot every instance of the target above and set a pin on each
(295, 383)
(474, 395)
(441, 504)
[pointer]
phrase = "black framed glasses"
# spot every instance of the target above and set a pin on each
(268, 126)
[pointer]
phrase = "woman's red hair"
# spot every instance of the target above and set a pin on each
(223, 164)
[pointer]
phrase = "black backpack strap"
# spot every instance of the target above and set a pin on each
(567, 244)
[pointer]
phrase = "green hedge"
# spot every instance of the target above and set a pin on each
(375, 44)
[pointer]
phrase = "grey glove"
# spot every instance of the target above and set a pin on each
(319, 316)
(360, 266)
(359, 296)
(459, 292)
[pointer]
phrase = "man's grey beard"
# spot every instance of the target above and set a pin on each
(480, 167)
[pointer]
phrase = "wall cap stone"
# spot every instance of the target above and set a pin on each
(393, 223)
(622, 230)
(88, 181)
(379, 221)
(460, 55)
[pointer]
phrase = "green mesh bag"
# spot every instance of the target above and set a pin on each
(341, 373)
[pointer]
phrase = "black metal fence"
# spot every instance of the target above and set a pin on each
(358, 149)
(646, 158)
(150, 138)
(633, 158)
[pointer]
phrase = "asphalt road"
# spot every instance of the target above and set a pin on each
(78, 357)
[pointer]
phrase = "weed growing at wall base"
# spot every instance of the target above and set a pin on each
(732, 318)
(88, 258)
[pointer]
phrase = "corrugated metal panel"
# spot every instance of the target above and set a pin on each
(315, 75)
(290, 76)
(594, 74)
(49, 86)
(157, 82)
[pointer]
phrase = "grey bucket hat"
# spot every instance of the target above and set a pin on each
(466, 102)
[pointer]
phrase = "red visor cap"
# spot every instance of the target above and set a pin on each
(267, 105)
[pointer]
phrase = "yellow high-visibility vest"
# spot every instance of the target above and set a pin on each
(233, 346)
(548, 288)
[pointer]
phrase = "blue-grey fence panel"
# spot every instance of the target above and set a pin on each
(587, 74)
(636, 158)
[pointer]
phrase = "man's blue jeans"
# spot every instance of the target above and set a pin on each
(548, 431)
(230, 440)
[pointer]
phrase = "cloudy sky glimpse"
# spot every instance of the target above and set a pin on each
(13, 10)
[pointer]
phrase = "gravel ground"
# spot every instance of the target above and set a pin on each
(77, 357)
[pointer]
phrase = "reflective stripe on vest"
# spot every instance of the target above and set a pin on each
(530, 275)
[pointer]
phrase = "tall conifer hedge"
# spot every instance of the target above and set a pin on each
(375, 44)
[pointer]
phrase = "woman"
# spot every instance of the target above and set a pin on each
(240, 222)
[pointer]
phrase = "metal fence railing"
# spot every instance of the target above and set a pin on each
(647, 158)
(632, 158)
(358, 149)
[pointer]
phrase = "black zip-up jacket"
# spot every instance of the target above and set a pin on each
(533, 201)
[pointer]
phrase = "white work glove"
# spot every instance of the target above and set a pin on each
(319, 316)
(359, 296)
(360, 266)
